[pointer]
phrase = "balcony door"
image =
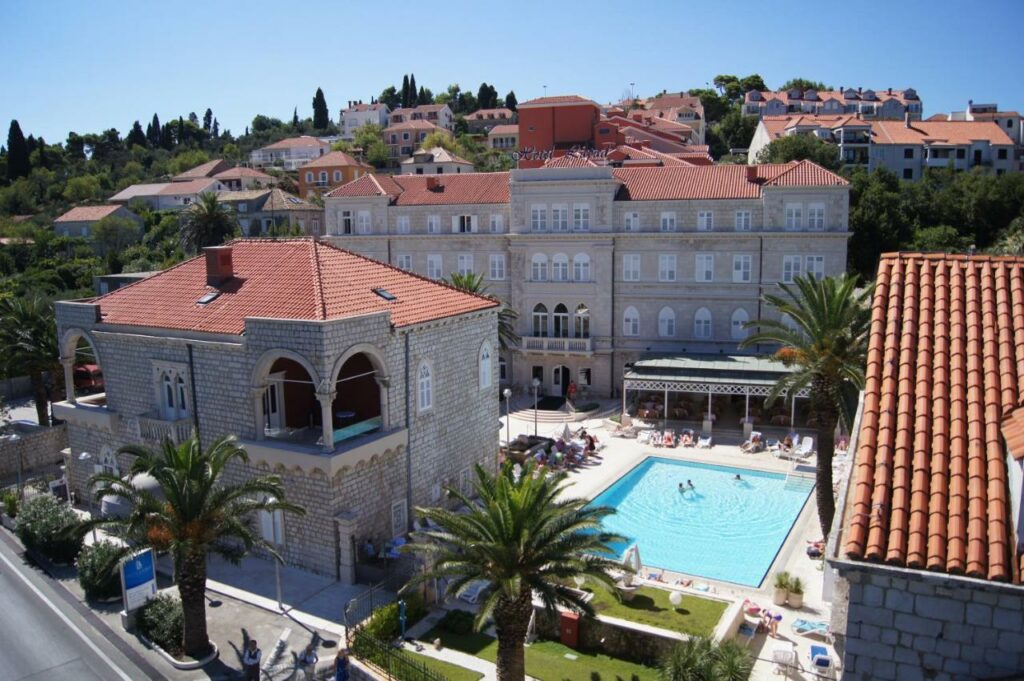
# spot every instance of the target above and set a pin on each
(272, 401)
(561, 380)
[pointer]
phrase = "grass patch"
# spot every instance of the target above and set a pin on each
(650, 606)
(452, 672)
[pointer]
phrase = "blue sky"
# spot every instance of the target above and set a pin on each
(88, 66)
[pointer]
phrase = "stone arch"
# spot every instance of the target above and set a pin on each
(354, 403)
(262, 367)
(371, 351)
(68, 349)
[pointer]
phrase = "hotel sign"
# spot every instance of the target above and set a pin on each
(534, 154)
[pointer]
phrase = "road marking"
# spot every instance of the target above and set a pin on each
(64, 618)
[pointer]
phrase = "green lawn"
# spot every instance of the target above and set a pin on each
(452, 672)
(547, 661)
(695, 615)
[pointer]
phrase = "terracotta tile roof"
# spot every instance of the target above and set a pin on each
(938, 117)
(137, 190)
(718, 182)
(87, 213)
(417, 124)
(674, 100)
(208, 169)
(880, 96)
(648, 156)
(558, 99)
(438, 155)
(239, 172)
(506, 129)
(992, 115)
(415, 190)
(283, 279)
(490, 114)
(776, 126)
(335, 159)
(368, 185)
(945, 381)
(280, 200)
(805, 174)
(570, 160)
(304, 141)
(188, 187)
(938, 132)
(364, 107)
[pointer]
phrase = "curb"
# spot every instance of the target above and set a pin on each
(270, 605)
(174, 662)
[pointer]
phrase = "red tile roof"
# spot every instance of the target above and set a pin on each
(335, 159)
(718, 182)
(189, 187)
(494, 114)
(413, 190)
(365, 107)
(506, 129)
(208, 169)
(570, 161)
(238, 172)
(938, 132)
(945, 382)
(822, 95)
(558, 99)
(297, 143)
(283, 279)
(417, 124)
(87, 213)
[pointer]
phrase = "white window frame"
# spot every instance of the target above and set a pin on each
(433, 224)
(792, 267)
(399, 510)
(667, 267)
(464, 263)
(496, 267)
(815, 265)
(794, 213)
(402, 224)
(363, 222)
(435, 266)
(742, 268)
(405, 262)
(538, 217)
(703, 324)
(559, 267)
(706, 221)
(632, 222)
(539, 267)
(348, 224)
(171, 390)
(743, 219)
(464, 224)
(581, 217)
(424, 387)
(705, 268)
(666, 322)
(668, 221)
(816, 216)
(485, 366)
(497, 223)
(630, 322)
(631, 267)
(736, 324)
(581, 267)
(560, 217)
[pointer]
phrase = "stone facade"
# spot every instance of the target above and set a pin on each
(37, 448)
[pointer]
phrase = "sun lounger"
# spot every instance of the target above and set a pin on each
(822, 663)
(784, 658)
(812, 628)
(669, 439)
(805, 450)
(472, 592)
(704, 442)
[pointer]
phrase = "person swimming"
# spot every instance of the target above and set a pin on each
(689, 484)
(738, 478)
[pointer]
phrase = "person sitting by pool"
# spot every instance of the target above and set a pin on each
(752, 445)
(770, 621)
(686, 438)
(815, 549)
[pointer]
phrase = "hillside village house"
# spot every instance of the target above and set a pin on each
(1010, 122)
(439, 114)
(435, 161)
(681, 108)
(240, 177)
(331, 170)
(168, 195)
(403, 138)
(272, 212)
(364, 387)
(483, 120)
(889, 104)
(503, 137)
(928, 534)
(80, 220)
(290, 153)
(606, 265)
(358, 114)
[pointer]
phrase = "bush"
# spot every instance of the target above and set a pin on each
(384, 625)
(98, 570)
(162, 621)
(47, 525)
(457, 622)
(11, 504)
(588, 406)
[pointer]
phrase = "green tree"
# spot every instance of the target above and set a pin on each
(473, 282)
(733, 131)
(82, 188)
(510, 100)
(699, 658)
(187, 160)
(941, 238)
(879, 219)
(17, 153)
(753, 82)
(799, 148)
(390, 97)
(822, 331)
(208, 120)
(804, 84)
(153, 132)
(715, 105)
(405, 90)
(412, 89)
(28, 345)
(136, 137)
(425, 96)
(521, 539)
(207, 222)
(114, 233)
(321, 117)
(200, 514)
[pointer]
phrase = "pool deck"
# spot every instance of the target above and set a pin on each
(621, 454)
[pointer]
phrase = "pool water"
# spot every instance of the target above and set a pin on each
(723, 529)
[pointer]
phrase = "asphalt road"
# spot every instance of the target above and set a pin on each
(43, 636)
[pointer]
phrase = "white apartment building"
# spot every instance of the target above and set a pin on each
(358, 114)
(606, 266)
(886, 104)
(290, 153)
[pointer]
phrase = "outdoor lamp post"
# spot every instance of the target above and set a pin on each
(536, 385)
(83, 457)
(13, 439)
(507, 394)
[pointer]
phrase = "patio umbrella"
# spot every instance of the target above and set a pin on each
(631, 558)
(566, 433)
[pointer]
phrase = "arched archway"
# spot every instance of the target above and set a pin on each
(286, 401)
(83, 369)
(360, 385)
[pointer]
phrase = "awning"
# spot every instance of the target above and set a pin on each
(717, 374)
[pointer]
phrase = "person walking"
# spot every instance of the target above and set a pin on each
(308, 661)
(251, 661)
(341, 665)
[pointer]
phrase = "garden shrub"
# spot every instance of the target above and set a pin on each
(11, 504)
(162, 621)
(98, 570)
(47, 525)
(384, 625)
(588, 406)
(457, 622)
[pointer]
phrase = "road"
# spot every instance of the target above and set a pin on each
(44, 637)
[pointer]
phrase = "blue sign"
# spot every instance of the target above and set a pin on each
(138, 579)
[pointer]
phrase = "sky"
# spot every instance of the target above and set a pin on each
(72, 65)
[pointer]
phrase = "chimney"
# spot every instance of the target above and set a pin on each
(906, 119)
(859, 90)
(890, 91)
(751, 173)
(219, 267)
(433, 184)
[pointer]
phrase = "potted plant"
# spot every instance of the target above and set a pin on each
(781, 592)
(796, 593)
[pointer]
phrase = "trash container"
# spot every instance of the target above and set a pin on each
(570, 629)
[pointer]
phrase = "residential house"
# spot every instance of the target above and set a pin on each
(290, 153)
(888, 104)
(358, 114)
(606, 265)
(907, 148)
(365, 388)
(483, 120)
(273, 212)
(925, 554)
(240, 177)
(105, 283)
(435, 161)
(79, 221)
(438, 114)
(1010, 122)
(331, 170)
(679, 107)
(403, 138)
(203, 170)
(168, 195)
(504, 137)
(849, 132)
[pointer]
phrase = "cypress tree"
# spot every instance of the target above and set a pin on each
(215, 130)
(193, 119)
(422, 97)
(180, 137)
(295, 116)
(208, 120)
(41, 148)
(321, 117)
(510, 100)
(153, 132)
(412, 90)
(167, 136)
(405, 90)
(17, 153)
(135, 136)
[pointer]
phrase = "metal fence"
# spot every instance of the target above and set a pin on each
(395, 663)
(360, 608)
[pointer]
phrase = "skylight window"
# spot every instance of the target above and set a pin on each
(385, 294)
(296, 201)
(208, 297)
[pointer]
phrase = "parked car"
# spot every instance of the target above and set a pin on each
(88, 378)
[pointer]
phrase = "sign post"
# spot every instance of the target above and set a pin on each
(138, 584)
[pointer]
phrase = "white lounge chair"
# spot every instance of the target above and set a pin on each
(704, 442)
(822, 663)
(472, 592)
(805, 450)
(784, 658)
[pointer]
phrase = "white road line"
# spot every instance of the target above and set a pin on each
(64, 618)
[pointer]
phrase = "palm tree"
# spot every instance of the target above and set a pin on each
(197, 515)
(823, 337)
(474, 283)
(700, 659)
(28, 345)
(207, 223)
(522, 540)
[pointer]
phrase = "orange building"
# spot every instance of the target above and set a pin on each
(331, 170)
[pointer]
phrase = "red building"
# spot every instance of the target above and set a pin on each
(550, 126)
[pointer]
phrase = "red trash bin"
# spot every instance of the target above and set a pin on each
(570, 629)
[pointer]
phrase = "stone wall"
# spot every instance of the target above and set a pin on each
(37, 447)
(910, 625)
(610, 639)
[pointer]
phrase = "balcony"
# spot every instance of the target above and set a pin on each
(87, 411)
(152, 429)
(310, 456)
(561, 345)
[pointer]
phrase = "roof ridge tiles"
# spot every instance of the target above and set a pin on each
(318, 289)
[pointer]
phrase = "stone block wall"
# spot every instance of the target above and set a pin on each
(636, 645)
(37, 448)
(909, 625)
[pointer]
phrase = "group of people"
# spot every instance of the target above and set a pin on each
(253, 656)
(568, 453)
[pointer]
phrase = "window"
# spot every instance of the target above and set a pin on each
(790, 268)
(337, 176)
(497, 223)
(705, 221)
(243, 207)
(434, 266)
(464, 264)
(581, 217)
(705, 267)
(581, 322)
(540, 320)
(399, 514)
(107, 462)
(433, 224)
(667, 267)
(538, 218)
(1001, 154)
(173, 394)
(323, 177)
(364, 222)
(668, 222)
(560, 267)
(743, 221)
(405, 261)
(309, 177)
(632, 222)
(666, 323)
(584, 376)
(631, 267)
(560, 321)
(908, 152)
(814, 265)
(539, 267)
(741, 268)
(425, 387)
(484, 365)
(631, 322)
(737, 328)
(502, 369)
(908, 173)
(794, 215)
(346, 222)
(702, 323)
(403, 224)
(816, 216)
(560, 218)
(463, 224)
(497, 266)
(581, 267)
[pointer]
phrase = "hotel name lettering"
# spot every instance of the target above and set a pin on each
(534, 154)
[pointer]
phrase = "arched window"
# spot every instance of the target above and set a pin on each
(739, 320)
(581, 267)
(337, 176)
(560, 320)
(309, 176)
(560, 267)
(582, 321)
(167, 391)
(108, 462)
(484, 366)
(666, 323)
(323, 176)
(702, 323)
(539, 267)
(425, 387)
(540, 320)
(182, 403)
(631, 322)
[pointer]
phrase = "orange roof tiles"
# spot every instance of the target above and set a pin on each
(283, 279)
(570, 160)
(490, 114)
(335, 159)
(415, 124)
(506, 129)
(557, 99)
(239, 172)
(944, 386)
(415, 190)
(208, 169)
(297, 143)
(718, 182)
(938, 132)
(87, 213)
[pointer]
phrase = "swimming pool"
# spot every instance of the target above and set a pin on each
(723, 529)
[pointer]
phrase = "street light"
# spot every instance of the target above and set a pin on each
(84, 457)
(507, 393)
(13, 439)
(536, 385)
